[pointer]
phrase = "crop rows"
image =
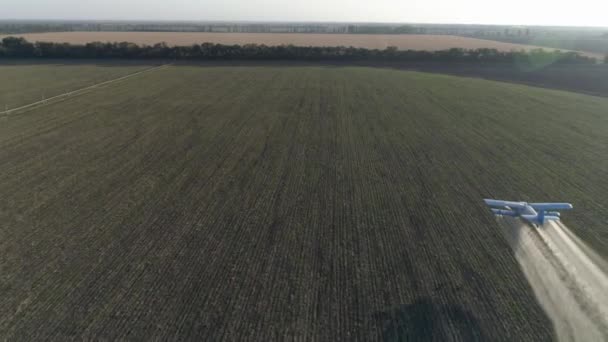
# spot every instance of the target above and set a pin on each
(275, 203)
(24, 83)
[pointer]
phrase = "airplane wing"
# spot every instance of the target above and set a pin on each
(503, 212)
(498, 203)
(551, 206)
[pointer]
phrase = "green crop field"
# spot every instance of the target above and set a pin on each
(324, 203)
(22, 83)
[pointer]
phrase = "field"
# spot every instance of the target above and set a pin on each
(588, 79)
(26, 83)
(370, 41)
(324, 203)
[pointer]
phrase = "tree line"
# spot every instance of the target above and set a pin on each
(385, 29)
(14, 47)
(19, 26)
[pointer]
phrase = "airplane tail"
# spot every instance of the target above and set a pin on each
(544, 216)
(541, 217)
(533, 218)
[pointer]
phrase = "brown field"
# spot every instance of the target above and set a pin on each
(404, 42)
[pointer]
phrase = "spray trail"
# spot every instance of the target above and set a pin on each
(570, 280)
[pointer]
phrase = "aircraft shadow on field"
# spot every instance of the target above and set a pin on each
(425, 320)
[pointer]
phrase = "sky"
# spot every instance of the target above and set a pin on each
(503, 12)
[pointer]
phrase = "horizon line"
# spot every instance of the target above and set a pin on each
(274, 21)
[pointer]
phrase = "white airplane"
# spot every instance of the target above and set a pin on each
(535, 213)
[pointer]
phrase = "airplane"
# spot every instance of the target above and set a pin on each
(535, 213)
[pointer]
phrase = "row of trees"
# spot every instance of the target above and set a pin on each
(17, 27)
(13, 47)
(385, 29)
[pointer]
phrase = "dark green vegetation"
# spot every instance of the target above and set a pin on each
(21, 83)
(591, 43)
(588, 79)
(267, 203)
(18, 47)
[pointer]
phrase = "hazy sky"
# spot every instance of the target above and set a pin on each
(530, 12)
